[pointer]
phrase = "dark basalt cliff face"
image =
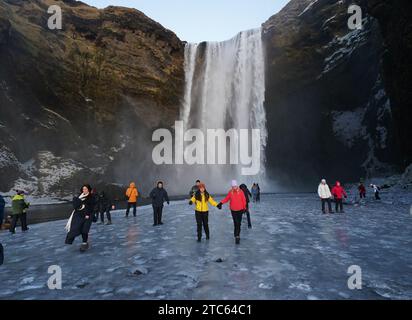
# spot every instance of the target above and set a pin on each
(80, 104)
(84, 99)
(395, 22)
(331, 110)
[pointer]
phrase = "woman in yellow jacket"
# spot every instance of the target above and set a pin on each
(202, 199)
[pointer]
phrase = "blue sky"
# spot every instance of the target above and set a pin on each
(202, 20)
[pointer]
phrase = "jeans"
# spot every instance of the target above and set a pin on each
(202, 219)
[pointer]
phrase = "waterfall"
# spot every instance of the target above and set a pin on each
(225, 88)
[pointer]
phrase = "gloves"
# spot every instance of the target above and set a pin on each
(219, 206)
(190, 202)
(168, 202)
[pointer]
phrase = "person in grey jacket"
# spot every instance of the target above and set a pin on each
(158, 196)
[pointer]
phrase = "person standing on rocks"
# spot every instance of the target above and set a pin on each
(2, 205)
(81, 219)
(325, 195)
(247, 193)
(105, 205)
(338, 192)
(19, 212)
(158, 196)
(131, 194)
(201, 199)
(194, 189)
(237, 200)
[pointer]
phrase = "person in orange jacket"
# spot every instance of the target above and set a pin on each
(131, 194)
(237, 207)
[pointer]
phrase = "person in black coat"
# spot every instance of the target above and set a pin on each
(158, 196)
(247, 194)
(105, 204)
(81, 218)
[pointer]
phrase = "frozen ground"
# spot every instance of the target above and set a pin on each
(292, 252)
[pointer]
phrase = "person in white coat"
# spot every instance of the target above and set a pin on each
(325, 196)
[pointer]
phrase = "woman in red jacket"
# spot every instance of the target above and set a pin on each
(338, 192)
(237, 206)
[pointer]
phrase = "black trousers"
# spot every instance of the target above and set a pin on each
(237, 222)
(157, 215)
(362, 195)
(249, 222)
(79, 226)
(329, 205)
(23, 221)
(338, 205)
(202, 220)
(377, 197)
(129, 205)
(109, 216)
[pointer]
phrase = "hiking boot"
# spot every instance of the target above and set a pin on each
(237, 240)
(84, 246)
(199, 239)
(108, 223)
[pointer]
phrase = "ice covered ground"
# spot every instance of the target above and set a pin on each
(292, 252)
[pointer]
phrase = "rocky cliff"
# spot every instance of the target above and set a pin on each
(330, 108)
(78, 104)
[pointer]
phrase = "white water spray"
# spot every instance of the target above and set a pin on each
(225, 89)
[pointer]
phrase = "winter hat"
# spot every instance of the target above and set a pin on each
(234, 183)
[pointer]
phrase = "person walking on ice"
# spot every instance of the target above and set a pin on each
(362, 190)
(19, 212)
(325, 195)
(131, 194)
(237, 200)
(158, 196)
(247, 193)
(105, 205)
(376, 190)
(81, 219)
(201, 199)
(338, 192)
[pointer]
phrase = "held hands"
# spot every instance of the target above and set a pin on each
(219, 206)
